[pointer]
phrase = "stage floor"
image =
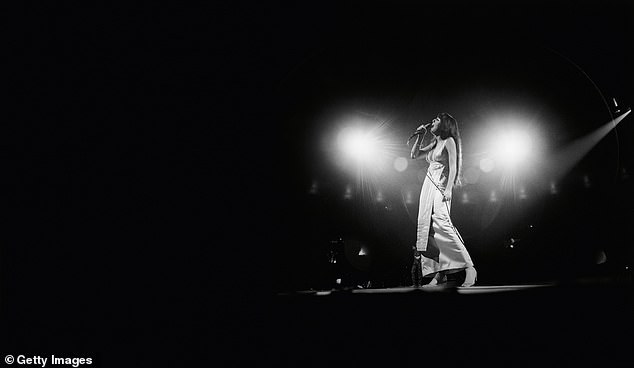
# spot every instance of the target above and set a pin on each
(408, 289)
(562, 324)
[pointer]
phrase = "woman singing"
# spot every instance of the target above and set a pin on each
(437, 240)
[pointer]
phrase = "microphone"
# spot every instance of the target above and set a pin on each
(424, 126)
(419, 130)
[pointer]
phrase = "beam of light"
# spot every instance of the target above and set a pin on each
(564, 160)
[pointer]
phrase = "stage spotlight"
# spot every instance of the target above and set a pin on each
(564, 160)
(360, 145)
(616, 106)
(513, 148)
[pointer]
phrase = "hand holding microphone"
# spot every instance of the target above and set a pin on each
(419, 130)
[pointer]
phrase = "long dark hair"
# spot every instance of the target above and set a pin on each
(448, 127)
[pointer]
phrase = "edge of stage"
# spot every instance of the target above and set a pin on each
(588, 322)
(410, 289)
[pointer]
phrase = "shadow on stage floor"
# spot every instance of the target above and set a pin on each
(514, 325)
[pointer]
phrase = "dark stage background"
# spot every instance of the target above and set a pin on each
(157, 162)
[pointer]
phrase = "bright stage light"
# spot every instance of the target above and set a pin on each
(513, 148)
(359, 145)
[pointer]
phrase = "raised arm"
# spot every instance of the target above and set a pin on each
(417, 150)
